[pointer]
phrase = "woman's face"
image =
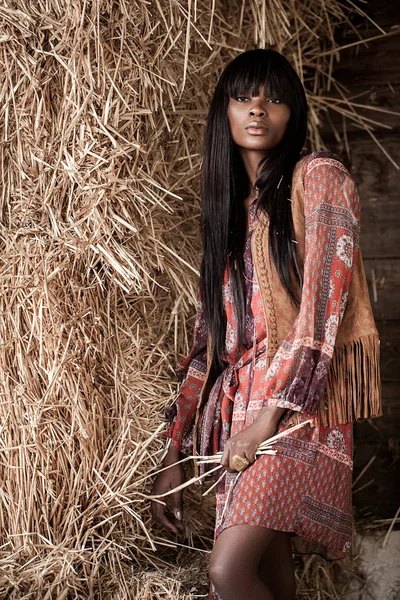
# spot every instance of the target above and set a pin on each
(257, 122)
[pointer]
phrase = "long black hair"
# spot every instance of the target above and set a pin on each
(225, 185)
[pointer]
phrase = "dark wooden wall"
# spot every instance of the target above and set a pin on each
(373, 74)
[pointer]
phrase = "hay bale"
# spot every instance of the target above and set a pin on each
(102, 110)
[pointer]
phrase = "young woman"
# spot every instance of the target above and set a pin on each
(284, 334)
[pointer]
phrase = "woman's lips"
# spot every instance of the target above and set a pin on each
(257, 129)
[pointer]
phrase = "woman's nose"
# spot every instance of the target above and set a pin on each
(257, 112)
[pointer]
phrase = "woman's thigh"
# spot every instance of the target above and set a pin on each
(276, 568)
(237, 554)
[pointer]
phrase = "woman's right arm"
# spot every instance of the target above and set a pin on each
(181, 414)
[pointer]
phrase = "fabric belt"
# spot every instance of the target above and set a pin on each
(230, 381)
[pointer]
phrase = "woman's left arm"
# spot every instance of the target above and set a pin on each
(296, 378)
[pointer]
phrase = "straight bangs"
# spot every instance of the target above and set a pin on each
(256, 69)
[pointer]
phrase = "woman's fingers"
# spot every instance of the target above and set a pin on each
(231, 449)
(166, 481)
(251, 456)
(226, 458)
(158, 513)
(177, 507)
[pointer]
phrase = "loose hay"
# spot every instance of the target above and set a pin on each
(102, 106)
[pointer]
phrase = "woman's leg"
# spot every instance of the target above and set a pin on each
(277, 569)
(235, 560)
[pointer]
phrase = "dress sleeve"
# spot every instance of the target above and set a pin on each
(296, 378)
(192, 373)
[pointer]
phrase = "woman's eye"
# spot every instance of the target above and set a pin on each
(247, 98)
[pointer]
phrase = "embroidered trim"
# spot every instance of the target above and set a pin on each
(297, 449)
(316, 162)
(335, 455)
(287, 350)
(327, 516)
(263, 274)
(197, 373)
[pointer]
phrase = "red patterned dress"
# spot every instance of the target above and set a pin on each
(305, 488)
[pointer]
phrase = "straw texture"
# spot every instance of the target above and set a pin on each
(102, 106)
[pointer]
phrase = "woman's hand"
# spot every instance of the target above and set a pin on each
(246, 442)
(168, 480)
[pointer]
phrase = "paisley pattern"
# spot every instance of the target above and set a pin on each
(306, 488)
(297, 377)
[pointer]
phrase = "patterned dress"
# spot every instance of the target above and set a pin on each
(305, 488)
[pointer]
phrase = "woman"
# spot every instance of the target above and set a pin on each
(284, 334)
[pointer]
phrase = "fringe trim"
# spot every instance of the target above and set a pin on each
(354, 383)
(353, 389)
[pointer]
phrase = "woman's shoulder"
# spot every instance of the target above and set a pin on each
(321, 178)
(322, 160)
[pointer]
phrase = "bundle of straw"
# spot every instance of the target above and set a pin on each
(102, 107)
(263, 449)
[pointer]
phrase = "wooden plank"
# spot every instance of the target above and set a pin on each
(385, 427)
(389, 332)
(381, 492)
(377, 438)
(378, 184)
(391, 399)
(383, 276)
(381, 95)
(364, 148)
(375, 62)
(380, 225)
(386, 13)
(373, 70)
(375, 176)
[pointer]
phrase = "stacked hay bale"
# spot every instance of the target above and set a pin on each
(102, 106)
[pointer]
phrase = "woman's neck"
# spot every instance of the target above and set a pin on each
(251, 159)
